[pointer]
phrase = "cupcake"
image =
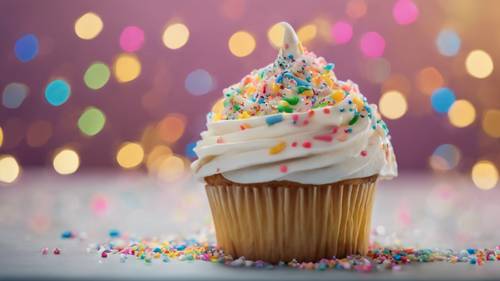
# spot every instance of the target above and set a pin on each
(291, 157)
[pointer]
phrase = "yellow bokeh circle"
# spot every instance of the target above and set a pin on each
(1, 136)
(393, 105)
(130, 155)
(66, 162)
(275, 35)
(241, 44)
(491, 123)
(485, 175)
(307, 33)
(171, 168)
(175, 36)
(156, 156)
(88, 26)
(462, 113)
(479, 64)
(9, 169)
(218, 106)
(127, 67)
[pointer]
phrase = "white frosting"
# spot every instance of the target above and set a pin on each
(243, 155)
(344, 139)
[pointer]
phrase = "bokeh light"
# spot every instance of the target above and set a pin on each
(66, 161)
(199, 82)
(241, 44)
(448, 42)
(175, 36)
(393, 105)
(405, 12)
(9, 169)
(372, 44)
(57, 92)
(131, 39)
(1, 136)
(275, 35)
(172, 127)
(356, 9)
(189, 150)
(445, 157)
(307, 33)
(171, 168)
(14, 130)
(491, 123)
(218, 106)
(156, 156)
(26, 48)
(462, 113)
(38, 133)
(130, 155)
(429, 79)
(324, 29)
(479, 64)
(150, 138)
(442, 99)
(92, 121)
(341, 32)
(88, 26)
(100, 204)
(232, 9)
(96, 76)
(14, 95)
(126, 67)
(485, 175)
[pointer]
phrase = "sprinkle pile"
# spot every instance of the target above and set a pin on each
(295, 91)
(290, 84)
(378, 258)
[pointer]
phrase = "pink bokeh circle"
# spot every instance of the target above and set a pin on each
(405, 12)
(372, 44)
(99, 204)
(342, 32)
(131, 39)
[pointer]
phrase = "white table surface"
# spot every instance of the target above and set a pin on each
(420, 210)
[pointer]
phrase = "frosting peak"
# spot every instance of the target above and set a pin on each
(291, 43)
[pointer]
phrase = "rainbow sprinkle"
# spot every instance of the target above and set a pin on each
(283, 168)
(378, 258)
(277, 148)
(273, 119)
(289, 85)
(325, 138)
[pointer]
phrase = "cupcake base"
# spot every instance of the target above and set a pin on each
(281, 221)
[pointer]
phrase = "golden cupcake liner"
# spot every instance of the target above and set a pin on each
(281, 221)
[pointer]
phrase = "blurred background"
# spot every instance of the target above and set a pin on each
(126, 85)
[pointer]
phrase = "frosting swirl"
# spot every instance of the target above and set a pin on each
(294, 120)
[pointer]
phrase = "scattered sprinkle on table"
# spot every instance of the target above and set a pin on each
(378, 258)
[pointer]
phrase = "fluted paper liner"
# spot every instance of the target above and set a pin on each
(279, 222)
